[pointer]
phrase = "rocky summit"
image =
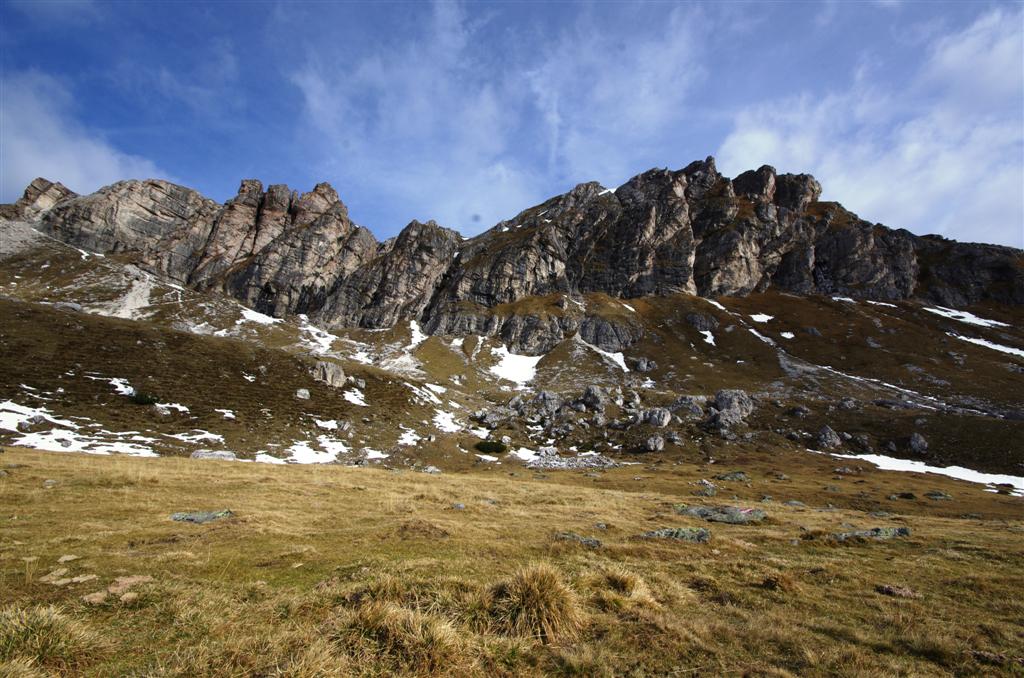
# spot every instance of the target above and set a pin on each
(691, 231)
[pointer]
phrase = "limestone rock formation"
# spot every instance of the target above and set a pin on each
(527, 279)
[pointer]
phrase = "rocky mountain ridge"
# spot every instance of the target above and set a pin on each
(663, 232)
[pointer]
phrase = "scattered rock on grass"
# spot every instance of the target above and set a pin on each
(736, 476)
(589, 542)
(699, 535)
(654, 444)
(49, 484)
(828, 439)
(221, 455)
(938, 495)
(917, 443)
(200, 517)
(873, 533)
(732, 515)
(896, 591)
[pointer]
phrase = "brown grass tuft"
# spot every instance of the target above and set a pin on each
(536, 603)
(399, 639)
(45, 636)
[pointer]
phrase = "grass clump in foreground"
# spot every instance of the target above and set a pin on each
(314, 575)
(36, 637)
(536, 603)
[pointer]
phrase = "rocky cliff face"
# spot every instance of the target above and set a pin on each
(692, 231)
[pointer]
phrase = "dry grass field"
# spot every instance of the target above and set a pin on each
(335, 571)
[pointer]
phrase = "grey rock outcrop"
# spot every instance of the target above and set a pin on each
(39, 196)
(527, 279)
(329, 373)
(730, 408)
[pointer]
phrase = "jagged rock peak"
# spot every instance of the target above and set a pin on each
(39, 196)
(662, 232)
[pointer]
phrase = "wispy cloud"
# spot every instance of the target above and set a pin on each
(42, 138)
(456, 136)
(942, 154)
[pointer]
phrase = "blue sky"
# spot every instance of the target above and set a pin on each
(911, 114)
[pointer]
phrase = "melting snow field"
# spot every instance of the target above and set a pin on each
(524, 453)
(760, 336)
(990, 344)
(71, 438)
(959, 472)
(408, 437)
(249, 315)
(301, 453)
(617, 358)
(355, 397)
(515, 368)
(445, 421)
(965, 317)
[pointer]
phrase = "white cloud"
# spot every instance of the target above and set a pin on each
(944, 155)
(454, 133)
(39, 137)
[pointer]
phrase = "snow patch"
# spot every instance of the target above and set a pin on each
(445, 421)
(761, 317)
(524, 453)
(708, 337)
(989, 344)
(761, 336)
(717, 305)
(964, 317)
(418, 337)
(355, 397)
(882, 303)
(300, 452)
(617, 358)
(512, 367)
(408, 437)
(846, 299)
(787, 335)
(227, 414)
(958, 472)
(249, 315)
(179, 407)
(196, 436)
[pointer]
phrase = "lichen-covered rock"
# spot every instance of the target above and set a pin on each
(698, 535)
(732, 515)
(730, 408)
(828, 439)
(329, 373)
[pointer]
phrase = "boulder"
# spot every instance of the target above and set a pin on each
(697, 535)
(329, 373)
(657, 416)
(220, 455)
(732, 515)
(917, 443)
(654, 444)
(828, 439)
